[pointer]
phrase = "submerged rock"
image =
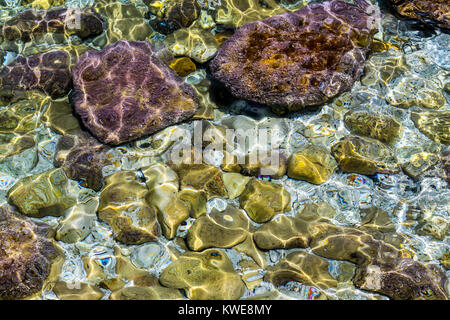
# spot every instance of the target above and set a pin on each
(286, 232)
(434, 124)
(58, 23)
(298, 59)
(302, 267)
(82, 158)
(26, 254)
(197, 43)
(124, 208)
(172, 208)
(430, 12)
(125, 91)
(202, 177)
(403, 279)
(207, 275)
(218, 230)
(174, 15)
(350, 244)
(126, 21)
(48, 72)
(43, 194)
(413, 90)
(183, 66)
(78, 222)
(383, 128)
(364, 155)
(80, 291)
(17, 123)
(262, 200)
(146, 293)
(312, 163)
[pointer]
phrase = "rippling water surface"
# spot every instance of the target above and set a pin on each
(406, 77)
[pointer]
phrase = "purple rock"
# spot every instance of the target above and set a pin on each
(403, 279)
(30, 23)
(26, 254)
(298, 59)
(125, 91)
(82, 158)
(48, 72)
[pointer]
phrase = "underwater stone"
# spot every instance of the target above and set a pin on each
(17, 122)
(48, 72)
(265, 165)
(218, 230)
(126, 21)
(419, 163)
(364, 156)
(32, 23)
(177, 14)
(195, 42)
(350, 244)
(42, 4)
(435, 226)
(262, 200)
(300, 58)
(78, 291)
(77, 222)
(403, 279)
(383, 128)
(434, 124)
(59, 117)
(43, 194)
(430, 12)
(412, 90)
(162, 183)
(286, 232)
(233, 14)
(235, 184)
(125, 91)
(312, 163)
(382, 68)
(147, 293)
(82, 158)
(302, 267)
(207, 275)
(445, 260)
(183, 66)
(376, 219)
(202, 177)
(26, 254)
(195, 200)
(124, 208)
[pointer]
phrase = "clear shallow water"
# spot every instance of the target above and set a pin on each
(420, 62)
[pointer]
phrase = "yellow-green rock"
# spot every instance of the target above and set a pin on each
(146, 293)
(434, 124)
(124, 208)
(313, 164)
(218, 230)
(207, 275)
(262, 200)
(162, 183)
(302, 267)
(235, 183)
(364, 155)
(77, 291)
(202, 177)
(383, 128)
(183, 66)
(43, 194)
(285, 232)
